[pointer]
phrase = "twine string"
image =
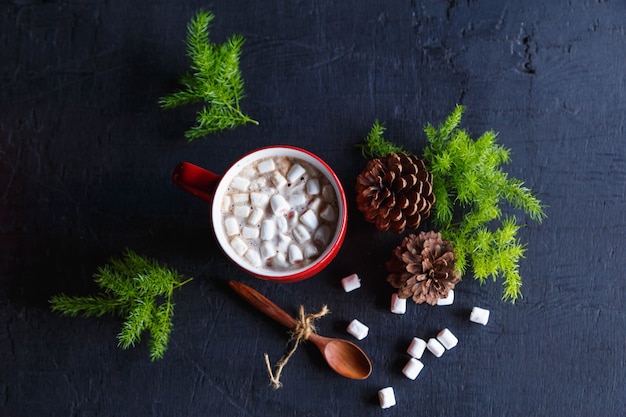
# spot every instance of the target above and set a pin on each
(301, 332)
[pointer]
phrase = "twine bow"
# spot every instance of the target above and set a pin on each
(300, 333)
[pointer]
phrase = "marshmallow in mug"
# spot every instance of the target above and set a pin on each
(279, 213)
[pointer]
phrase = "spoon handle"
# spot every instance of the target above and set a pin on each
(260, 302)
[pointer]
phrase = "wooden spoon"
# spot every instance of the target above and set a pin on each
(344, 357)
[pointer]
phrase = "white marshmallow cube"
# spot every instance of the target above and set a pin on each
(321, 237)
(250, 232)
(259, 199)
(309, 219)
(435, 347)
(315, 204)
(239, 245)
(398, 305)
(328, 213)
(386, 397)
(313, 186)
(412, 368)
(256, 216)
(240, 198)
(278, 180)
(479, 315)
(253, 257)
(226, 203)
(297, 199)
(268, 229)
(295, 254)
(301, 234)
(310, 251)
(351, 282)
(240, 183)
(447, 339)
(283, 242)
(416, 348)
(279, 205)
(295, 172)
(266, 166)
(242, 211)
(257, 184)
(281, 224)
(328, 192)
(267, 250)
(281, 260)
(448, 300)
(231, 226)
(358, 329)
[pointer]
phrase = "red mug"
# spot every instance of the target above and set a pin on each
(260, 193)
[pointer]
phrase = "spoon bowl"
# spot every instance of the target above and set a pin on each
(344, 357)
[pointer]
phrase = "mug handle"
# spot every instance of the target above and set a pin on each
(196, 180)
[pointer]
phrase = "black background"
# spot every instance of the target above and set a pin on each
(87, 155)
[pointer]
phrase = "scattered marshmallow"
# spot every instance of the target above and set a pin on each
(301, 234)
(295, 255)
(412, 368)
(240, 183)
(448, 300)
(310, 250)
(351, 282)
(328, 213)
(239, 245)
(328, 192)
(358, 329)
(226, 203)
(297, 199)
(435, 347)
(242, 211)
(256, 216)
(240, 198)
(253, 257)
(309, 219)
(386, 397)
(267, 250)
(268, 229)
(321, 237)
(250, 232)
(313, 186)
(259, 199)
(398, 305)
(281, 224)
(278, 180)
(447, 339)
(416, 348)
(279, 205)
(479, 315)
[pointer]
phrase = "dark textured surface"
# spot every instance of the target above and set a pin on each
(86, 158)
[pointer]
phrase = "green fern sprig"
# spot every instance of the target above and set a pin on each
(376, 145)
(214, 79)
(468, 181)
(137, 289)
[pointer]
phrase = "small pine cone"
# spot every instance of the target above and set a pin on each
(395, 192)
(423, 267)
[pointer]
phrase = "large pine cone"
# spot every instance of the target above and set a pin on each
(423, 267)
(395, 192)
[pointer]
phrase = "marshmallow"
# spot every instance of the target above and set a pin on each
(239, 245)
(281, 224)
(448, 300)
(281, 260)
(310, 251)
(240, 183)
(309, 219)
(297, 199)
(358, 329)
(295, 254)
(253, 257)
(256, 216)
(278, 180)
(479, 315)
(232, 226)
(259, 199)
(386, 397)
(435, 347)
(283, 242)
(240, 198)
(226, 202)
(321, 237)
(257, 184)
(416, 348)
(398, 305)
(268, 229)
(248, 232)
(328, 192)
(279, 205)
(412, 368)
(447, 339)
(315, 204)
(313, 186)
(295, 172)
(242, 211)
(351, 282)
(328, 213)
(265, 166)
(301, 234)
(267, 250)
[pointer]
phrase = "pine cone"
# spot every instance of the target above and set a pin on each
(423, 267)
(395, 192)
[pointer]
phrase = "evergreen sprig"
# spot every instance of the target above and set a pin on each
(376, 145)
(470, 190)
(214, 79)
(137, 289)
